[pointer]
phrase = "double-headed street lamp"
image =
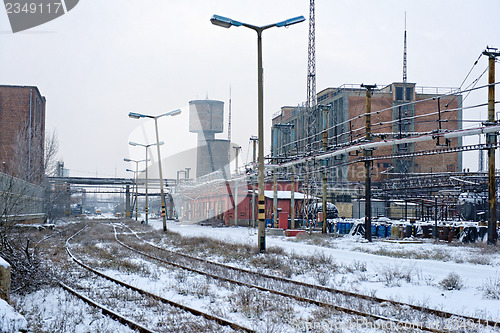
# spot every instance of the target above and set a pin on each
(227, 23)
(136, 180)
(138, 116)
(146, 146)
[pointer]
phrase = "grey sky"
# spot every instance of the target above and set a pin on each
(104, 59)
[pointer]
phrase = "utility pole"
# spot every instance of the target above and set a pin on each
(368, 164)
(237, 148)
(292, 197)
(237, 153)
(491, 140)
(324, 162)
(275, 198)
(127, 201)
(254, 140)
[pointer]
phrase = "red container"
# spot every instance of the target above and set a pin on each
(293, 232)
(283, 220)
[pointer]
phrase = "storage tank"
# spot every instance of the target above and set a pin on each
(206, 117)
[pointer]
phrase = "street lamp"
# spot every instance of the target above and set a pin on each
(138, 116)
(146, 146)
(136, 180)
(227, 23)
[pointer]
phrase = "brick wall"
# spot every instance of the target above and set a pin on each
(16, 102)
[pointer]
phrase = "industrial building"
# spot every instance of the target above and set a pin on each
(398, 110)
(22, 111)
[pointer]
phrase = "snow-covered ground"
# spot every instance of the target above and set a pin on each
(406, 272)
(420, 287)
(10, 320)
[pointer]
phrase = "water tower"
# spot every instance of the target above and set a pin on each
(206, 117)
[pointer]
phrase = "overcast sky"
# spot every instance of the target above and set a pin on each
(104, 59)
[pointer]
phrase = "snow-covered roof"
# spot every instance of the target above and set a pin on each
(286, 195)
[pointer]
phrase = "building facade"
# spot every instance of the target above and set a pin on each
(22, 131)
(398, 110)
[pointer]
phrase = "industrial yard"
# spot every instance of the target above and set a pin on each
(192, 191)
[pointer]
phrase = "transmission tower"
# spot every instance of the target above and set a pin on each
(311, 60)
(311, 82)
(312, 128)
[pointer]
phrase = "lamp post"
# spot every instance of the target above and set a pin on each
(138, 116)
(227, 23)
(136, 180)
(146, 146)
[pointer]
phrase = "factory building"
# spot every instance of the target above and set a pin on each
(398, 110)
(22, 113)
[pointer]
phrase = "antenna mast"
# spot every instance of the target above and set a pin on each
(405, 76)
(229, 117)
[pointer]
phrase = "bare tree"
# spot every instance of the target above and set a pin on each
(50, 153)
(23, 196)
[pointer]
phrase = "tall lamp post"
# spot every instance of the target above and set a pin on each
(146, 146)
(227, 23)
(138, 116)
(136, 172)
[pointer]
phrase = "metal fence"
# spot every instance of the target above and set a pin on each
(20, 200)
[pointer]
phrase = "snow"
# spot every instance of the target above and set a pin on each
(285, 195)
(425, 273)
(4, 263)
(10, 320)
(404, 272)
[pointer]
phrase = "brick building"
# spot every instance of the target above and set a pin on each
(404, 110)
(22, 111)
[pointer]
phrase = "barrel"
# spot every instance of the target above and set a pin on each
(446, 232)
(388, 231)
(395, 231)
(374, 230)
(409, 230)
(340, 226)
(427, 231)
(381, 230)
(348, 227)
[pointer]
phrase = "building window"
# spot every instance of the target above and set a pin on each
(450, 168)
(409, 93)
(399, 93)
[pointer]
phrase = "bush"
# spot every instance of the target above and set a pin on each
(491, 288)
(452, 281)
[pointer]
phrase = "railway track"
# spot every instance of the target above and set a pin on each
(130, 322)
(303, 288)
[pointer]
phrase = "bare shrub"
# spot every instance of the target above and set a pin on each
(491, 288)
(452, 281)
(393, 276)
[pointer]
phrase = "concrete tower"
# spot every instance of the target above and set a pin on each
(206, 117)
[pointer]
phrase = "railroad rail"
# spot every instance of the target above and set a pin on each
(130, 323)
(273, 291)
(438, 313)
